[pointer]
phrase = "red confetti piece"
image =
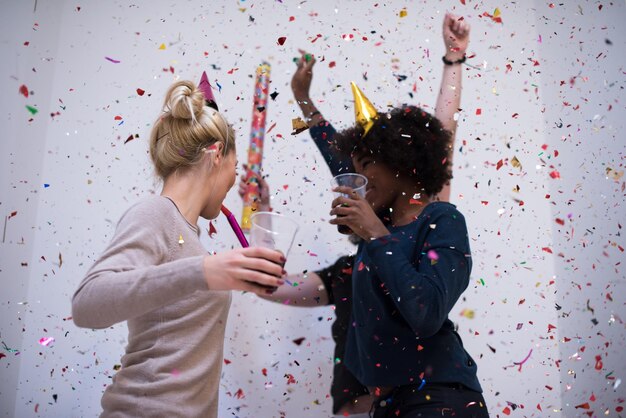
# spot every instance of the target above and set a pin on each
(281, 40)
(546, 249)
(361, 266)
(499, 165)
(331, 64)
(226, 361)
(583, 406)
(506, 411)
(264, 371)
(560, 221)
(212, 230)
(463, 2)
(118, 118)
(598, 363)
(555, 174)
(292, 18)
(140, 92)
(479, 111)
(239, 394)
(24, 90)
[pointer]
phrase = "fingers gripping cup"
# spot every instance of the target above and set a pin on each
(272, 230)
(357, 182)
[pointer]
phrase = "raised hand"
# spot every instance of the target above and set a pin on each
(455, 36)
(301, 80)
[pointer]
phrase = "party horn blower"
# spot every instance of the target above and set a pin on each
(257, 136)
(235, 226)
(364, 112)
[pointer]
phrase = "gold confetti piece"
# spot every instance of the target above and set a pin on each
(468, 313)
(162, 46)
(614, 174)
(403, 13)
(181, 241)
(515, 163)
(298, 125)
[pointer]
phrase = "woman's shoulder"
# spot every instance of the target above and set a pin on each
(149, 208)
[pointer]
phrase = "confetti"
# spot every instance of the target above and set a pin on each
(114, 61)
(298, 341)
(298, 125)
(23, 90)
(46, 341)
(281, 40)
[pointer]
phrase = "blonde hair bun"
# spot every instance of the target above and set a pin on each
(184, 101)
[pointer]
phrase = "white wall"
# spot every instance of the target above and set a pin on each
(93, 176)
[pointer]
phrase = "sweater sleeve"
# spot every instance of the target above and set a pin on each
(424, 292)
(134, 275)
(322, 134)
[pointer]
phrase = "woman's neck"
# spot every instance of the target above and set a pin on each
(187, 193)
(407, 207)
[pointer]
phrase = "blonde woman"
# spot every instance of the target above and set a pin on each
(156, 275)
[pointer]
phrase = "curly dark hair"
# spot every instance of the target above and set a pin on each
(407, 139)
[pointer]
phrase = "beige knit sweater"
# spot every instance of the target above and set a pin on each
(151, 276)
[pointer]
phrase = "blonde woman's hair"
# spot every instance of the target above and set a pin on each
(186, 129)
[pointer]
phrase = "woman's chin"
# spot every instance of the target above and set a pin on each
(210, 214)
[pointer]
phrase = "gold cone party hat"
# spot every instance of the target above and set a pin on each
(364, 111)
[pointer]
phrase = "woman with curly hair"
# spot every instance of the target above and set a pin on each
(411, 268)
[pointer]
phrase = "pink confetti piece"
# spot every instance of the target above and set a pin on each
(114, 61)
(46, 341)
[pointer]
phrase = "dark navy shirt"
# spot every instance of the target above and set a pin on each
(322, 135)
(404, 286)
(338, 283)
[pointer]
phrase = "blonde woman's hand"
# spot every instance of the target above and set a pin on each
(254, 269)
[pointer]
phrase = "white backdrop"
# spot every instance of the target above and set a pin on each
(545, 89)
